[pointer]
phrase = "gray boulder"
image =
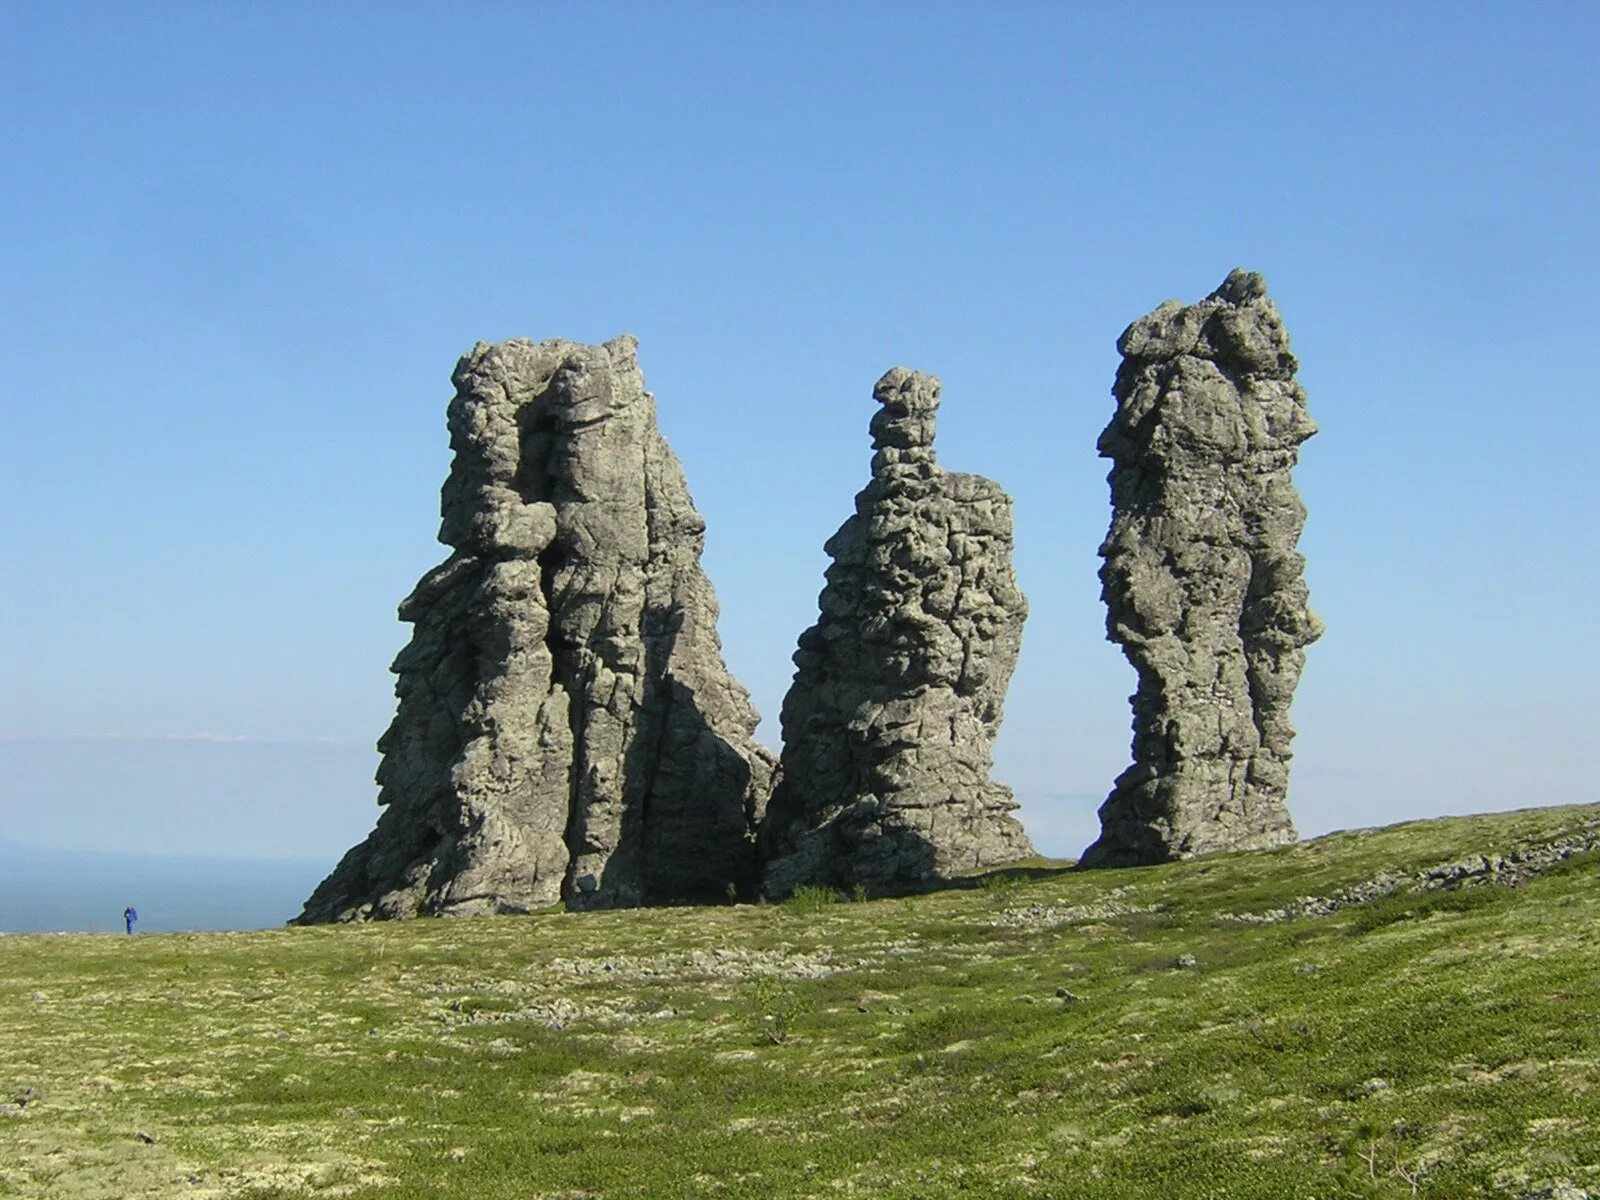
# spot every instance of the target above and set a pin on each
(566, 727)
(1201, 578)
(899, 686)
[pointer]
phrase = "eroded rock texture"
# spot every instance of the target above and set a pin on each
(1203, 585)
(566, 728)
(898, 691)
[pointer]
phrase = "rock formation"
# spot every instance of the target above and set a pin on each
(566, 728)
(1201, 578)
(898, 690)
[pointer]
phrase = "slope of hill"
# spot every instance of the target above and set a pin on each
(1412, 1011)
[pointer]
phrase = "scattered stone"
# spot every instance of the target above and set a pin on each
(1201, 578)
(1185, 962)
(1559, 1190)
(1306, 969)
(1070, 997)
(566, 727)
(1051, 916)
(1376, 888)
(1373, 1086)
(1511, 869)
(730, 964)
(899, 687)
(149, 1139)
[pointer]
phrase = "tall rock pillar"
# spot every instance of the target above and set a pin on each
(1201, 578)
(566, 728)
(899, 686)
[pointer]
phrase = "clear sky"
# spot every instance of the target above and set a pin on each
(242, 246)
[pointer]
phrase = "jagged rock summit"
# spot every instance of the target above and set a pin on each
(897, 695)
(566, 727)
(1201, 578)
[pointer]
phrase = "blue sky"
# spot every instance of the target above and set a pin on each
(242, 247)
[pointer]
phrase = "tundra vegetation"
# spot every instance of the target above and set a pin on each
(1412, 1011)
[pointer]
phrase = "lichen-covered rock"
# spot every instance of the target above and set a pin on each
(566, 728)
(1201, 578)
(899, 686)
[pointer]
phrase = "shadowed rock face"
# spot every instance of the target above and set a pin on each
(1202, 582)
(566, 728)
(897, 698)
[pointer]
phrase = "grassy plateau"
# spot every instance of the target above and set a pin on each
(1413, 1011)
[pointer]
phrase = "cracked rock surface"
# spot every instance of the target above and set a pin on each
(899, 686)
(1201, 578)
(566, 727)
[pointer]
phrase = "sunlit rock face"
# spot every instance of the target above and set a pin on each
(898, 691)
(1202, 582)
(566, 727)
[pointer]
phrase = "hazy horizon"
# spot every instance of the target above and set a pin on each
(49, 889)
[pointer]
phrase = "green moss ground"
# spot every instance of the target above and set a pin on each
(1439, 1045)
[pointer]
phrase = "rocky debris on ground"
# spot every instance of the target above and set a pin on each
(1559, 1190)
(899, 686)
(1051, 916)
(725, 963)
(566, 727)
(1379, 886)
(1201, 578)
(1511, 869)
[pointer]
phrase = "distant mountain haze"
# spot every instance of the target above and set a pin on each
(193, 794)
(48, 889)
(44, 890)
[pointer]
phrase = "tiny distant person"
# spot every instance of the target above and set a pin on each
(129, 916)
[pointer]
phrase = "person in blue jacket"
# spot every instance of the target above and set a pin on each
(129, 916)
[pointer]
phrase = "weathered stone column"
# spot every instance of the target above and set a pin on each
(898, 691)
(1201, 578)
(566, 727)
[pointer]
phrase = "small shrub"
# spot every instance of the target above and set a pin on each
(811, 899)
(1001, 885)
(775, 1005)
